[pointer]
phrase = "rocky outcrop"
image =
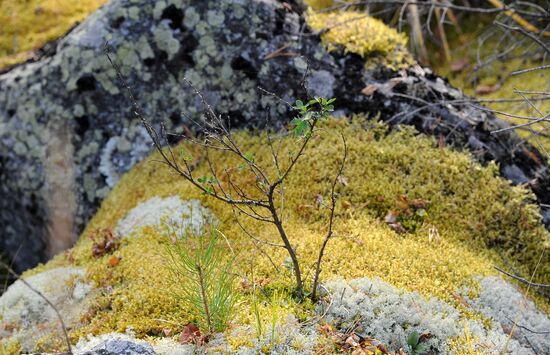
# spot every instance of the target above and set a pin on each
(226, 49)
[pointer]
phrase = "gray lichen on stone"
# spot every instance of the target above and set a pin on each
(27, 317)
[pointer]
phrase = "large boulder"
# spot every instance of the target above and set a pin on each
(68, 130)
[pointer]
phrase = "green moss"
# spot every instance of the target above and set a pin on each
(319, 4)
(28, 25)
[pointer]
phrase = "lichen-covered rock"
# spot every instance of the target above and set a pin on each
(171, 212)
(117, 346)
(226, 49)
(29, 319)
(127, 344)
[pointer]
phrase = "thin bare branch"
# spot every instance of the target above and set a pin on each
(331, 219)
(522, 280)
(41, 295)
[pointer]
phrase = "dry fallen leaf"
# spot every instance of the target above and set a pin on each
(191, 335)
(325, 329)
(486, 89)
(419, 203)
(114, 261)
(459, 65)
(369, 90)
(287, 6)
(397, 227)
(352, 340)
(343, 180)
(391, 217)
(105, 242)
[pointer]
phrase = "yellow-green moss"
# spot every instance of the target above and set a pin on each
(28, 25)
(358, 33)
(319, 4)
(470, 206)
(10, 347)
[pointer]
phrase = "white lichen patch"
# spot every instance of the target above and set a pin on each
(377, 309)
(285, 337)
(507, 305)
(27, 317)
(171, 212)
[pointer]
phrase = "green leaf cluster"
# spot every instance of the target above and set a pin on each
(417, 347)
(313, 110)
(207, 183)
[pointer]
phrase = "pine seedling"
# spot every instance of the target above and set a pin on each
(201, 271)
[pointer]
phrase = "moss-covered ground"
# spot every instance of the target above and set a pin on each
(28, 25)
(477, 215)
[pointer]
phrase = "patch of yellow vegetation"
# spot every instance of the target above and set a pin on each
(10, 347)
(470, 206)
(28, 25)
(319, 4)
(356, 32)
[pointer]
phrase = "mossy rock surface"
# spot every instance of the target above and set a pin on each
(478, 217)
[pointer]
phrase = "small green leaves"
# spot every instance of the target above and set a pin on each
(315, 109)
(415, 342)
(413, 339)
(185, 155)
(300, 126)
(208, 184)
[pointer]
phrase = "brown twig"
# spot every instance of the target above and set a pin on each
(41, 295)
(331, 220)
(522, 280)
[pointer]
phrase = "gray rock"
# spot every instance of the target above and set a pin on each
(120, 343)
(121, 347)
(220, 46)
